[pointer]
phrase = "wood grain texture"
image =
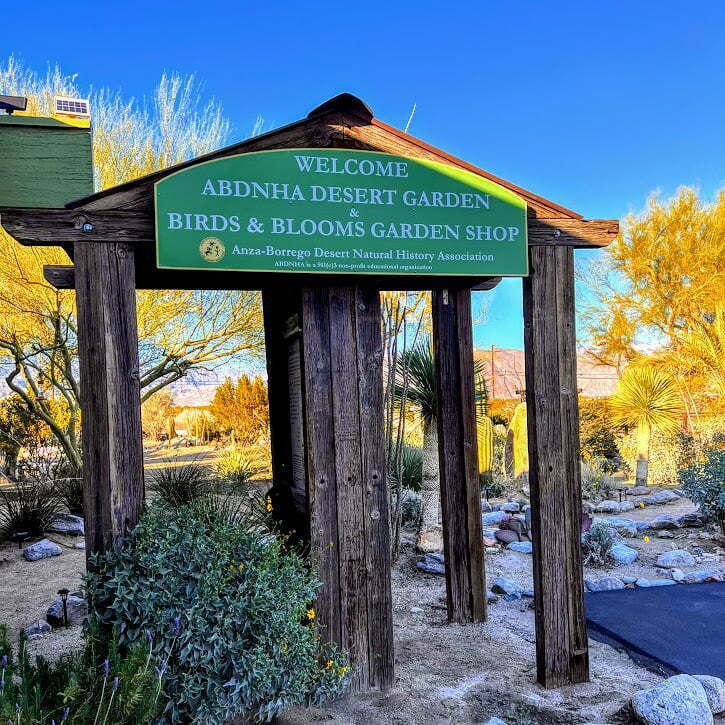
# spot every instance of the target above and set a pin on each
(458, 455)
(53, 227)
(110, 393)
(375, 492)
(554, 478)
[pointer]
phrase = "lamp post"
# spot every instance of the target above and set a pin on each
(64, 598)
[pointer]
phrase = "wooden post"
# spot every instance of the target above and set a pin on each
(346, 476)
(110, 392)
(458, 456)
(562, 654)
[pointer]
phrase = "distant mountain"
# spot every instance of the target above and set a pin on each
(504, 373)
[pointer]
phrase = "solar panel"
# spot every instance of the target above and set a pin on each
(72, 106)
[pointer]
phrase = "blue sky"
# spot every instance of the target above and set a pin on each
(593, 105)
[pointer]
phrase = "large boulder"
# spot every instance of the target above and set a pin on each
(42, 550)
(523, 547)
(77, 611)
(639, 491)
(430, 540)
(509, 588)
(715, 692)
(661, 497)
(511, 507)
(605, 584)
(494, 517)
(642, 582)
(679, 700)
(505, 536)
(37, 629)
(623, 554)
(431, 564)
(613, 507)
(703, 575)
(675, 558)
(693, 520)
(665, 521)
(68, 524)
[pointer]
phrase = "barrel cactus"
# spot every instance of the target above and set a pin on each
(516, 456)
(485, 447)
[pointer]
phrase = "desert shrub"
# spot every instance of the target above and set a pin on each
(497, 485)
(597, 543)
(29, 505)
(238, 466)
(598, 434)
(704, 483)
(178, 485)
(410, 506)
(668, 453)
(229, 604)
(80, 688)
(68, 482)
(408, 473)
(596, 483)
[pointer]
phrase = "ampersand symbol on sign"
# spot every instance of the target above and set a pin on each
(254, 226)
(354, 213)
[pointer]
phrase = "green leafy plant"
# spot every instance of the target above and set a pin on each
(596, 483)
(238, 466)
(704, 483)
(99, 685)
(597, 544)
(408, 474)
(230, 609)
(29, 505)
(179, 485)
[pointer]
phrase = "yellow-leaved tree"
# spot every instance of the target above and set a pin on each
(179, 331)
(661, 286)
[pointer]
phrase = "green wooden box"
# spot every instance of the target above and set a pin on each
(43, 162)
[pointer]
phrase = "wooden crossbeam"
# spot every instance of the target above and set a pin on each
(56, 227)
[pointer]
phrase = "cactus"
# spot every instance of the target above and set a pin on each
(484, 429)
(516, 455)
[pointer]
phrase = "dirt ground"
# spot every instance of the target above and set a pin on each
(444, 673)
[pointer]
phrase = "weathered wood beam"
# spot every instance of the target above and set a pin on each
(113, 486)
(458, 456)
(54, 227)
(554, 476)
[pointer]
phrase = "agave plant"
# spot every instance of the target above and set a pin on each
(646, 399)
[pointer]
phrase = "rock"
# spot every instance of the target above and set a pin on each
(714, 691)
(665, 521)
(660, 498)
(485, 506)
(675, 559)
(679, 700)
(639, 491)
(505, 536)
(511, 507)
(42, 550)
(679, 492)
(494, 517)
(523, 547)
(491, 597)
(613, 507)
(629, 579)
(528, 592)
(665, 534)
(605, 584)
(510, 589)
(68, 524)
(693, 520)
(677, 575)
(703, 575)
(623, 554)
(430, 540)
(494, 721)
(624, 526)
(77, 610)
(80, 545)
(416, 610)
(642, 582)
(37, 629)
(489, 533)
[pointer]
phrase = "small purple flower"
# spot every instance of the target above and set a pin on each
(176, 628)
(149, 636)
(106, 668)
(4, 661)
(115, 683)
(2, 683)
(66, 712)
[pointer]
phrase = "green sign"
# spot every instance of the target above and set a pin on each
(338, 212)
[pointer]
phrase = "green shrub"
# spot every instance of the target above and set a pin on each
(408, 473)
(228, 604)
(80, 688)
(598, 434)
(29, 505)
(597, 543)
(179, 485)
(596, 484)
(704, 483)
(238, 467)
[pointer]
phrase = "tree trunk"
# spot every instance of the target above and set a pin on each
(642, 464)
(430, 490)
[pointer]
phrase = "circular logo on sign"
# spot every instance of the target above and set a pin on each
(212, 249)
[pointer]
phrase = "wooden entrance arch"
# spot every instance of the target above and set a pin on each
(324, 363)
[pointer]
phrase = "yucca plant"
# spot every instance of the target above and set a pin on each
(179, 485)
(646, 399)
(28, 505)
